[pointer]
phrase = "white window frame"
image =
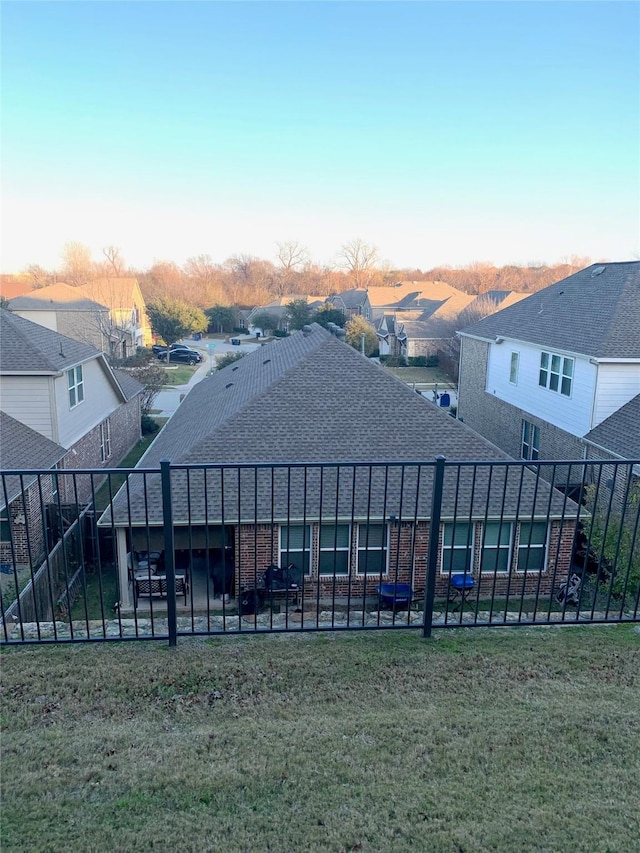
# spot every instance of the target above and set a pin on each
(514, 368)
(334, 549)
(523, 544)
(556, 373)
(530, 450)
(363, 547)
(445, 568)
(508, 548)
(75, 386)
(289, 554)
(105, 440)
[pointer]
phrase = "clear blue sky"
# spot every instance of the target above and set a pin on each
(441, 132)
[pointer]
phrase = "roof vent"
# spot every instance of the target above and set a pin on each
(597, 271)
(340, 333)
(266, 361)
(306, 331)
(234, 368)
(228, 385)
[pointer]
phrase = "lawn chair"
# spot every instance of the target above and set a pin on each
(460, 589)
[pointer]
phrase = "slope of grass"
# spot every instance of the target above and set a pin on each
(476, 741)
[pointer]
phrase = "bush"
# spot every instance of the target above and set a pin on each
(141, 357)
(148, 425)
(228, 358)
(423, 361)
(241, 330)
(278, 333)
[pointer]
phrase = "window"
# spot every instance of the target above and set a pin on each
(556, 373)
(530, 441)
(334, 549)
(5, 530)
(105, 440)
(513, 370)
(372, 549)
(496, 547)
(76, 386)
(532, 546)
(295, 546)
(457, 548)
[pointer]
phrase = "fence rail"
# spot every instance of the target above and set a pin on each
(180, 550)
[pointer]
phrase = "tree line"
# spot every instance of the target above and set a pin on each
(246, 281)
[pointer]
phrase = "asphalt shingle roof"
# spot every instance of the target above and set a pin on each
(129, 384)
(595, 312)
(23, 448)
(26, 347)
(620, 432)
(309, 399)
(61, 297)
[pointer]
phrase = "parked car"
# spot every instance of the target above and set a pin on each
(161, 348)
(182, 356)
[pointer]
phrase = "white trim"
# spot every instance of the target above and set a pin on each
(497, 548)
(447, 570)
(337, 549)
(516, 549)
(304, 550)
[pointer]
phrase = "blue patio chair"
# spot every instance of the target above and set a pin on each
(460, 588)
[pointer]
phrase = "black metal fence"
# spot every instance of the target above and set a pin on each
(92, 555)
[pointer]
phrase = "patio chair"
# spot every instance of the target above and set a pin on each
(460, 589)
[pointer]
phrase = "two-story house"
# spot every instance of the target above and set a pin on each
(128, 326)
(352, 303)
(539, 377)
(63, 407)
(67, 310)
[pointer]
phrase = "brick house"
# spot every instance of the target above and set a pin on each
(340, 513)
(540, 377)
(352, 303)
(63, 408)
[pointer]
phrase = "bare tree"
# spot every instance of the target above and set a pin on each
(359, 259)
(39, 276)
(115, 262)
(77, 264)
(292, 255)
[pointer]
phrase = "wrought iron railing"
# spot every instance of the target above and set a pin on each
(207, 549)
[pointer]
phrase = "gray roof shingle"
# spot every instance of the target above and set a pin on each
(620, 432)
(23, 448)
(129, 384)
(26, 347)
(56, 297)
(595, 312)
(308, 399)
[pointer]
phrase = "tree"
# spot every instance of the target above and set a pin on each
(357, 327)
(153, 377)
(297, 313)
(291, 255)
(115, 265)
(4, 303)
(39, 276)
(265, 320)
(172, 319)
(359, 259)
(325, 315)
(221, 318)
(77, 264)
(228, 358)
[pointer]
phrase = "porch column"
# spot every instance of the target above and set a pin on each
(123, 568)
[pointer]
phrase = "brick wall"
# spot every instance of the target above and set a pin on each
(27, 526)
(257, 548)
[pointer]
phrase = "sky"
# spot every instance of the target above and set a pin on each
(440, 132)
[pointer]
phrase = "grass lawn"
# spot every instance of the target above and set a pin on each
(479, 740)
(421, 374)
(179, 374)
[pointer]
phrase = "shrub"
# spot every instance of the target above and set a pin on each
(279, 333)
(148, 425)
(241, 330)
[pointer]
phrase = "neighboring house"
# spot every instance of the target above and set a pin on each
(312, 399)
(23, 500)
(409, 295)
(278, 310)
(542, 377)
(352, 303)
(128, 326)
(65, 392)
(67, 310)
(392, 338)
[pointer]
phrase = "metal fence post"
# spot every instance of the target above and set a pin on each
(169, 551)
(432, 557)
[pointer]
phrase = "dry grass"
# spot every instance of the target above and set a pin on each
(523, 740)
